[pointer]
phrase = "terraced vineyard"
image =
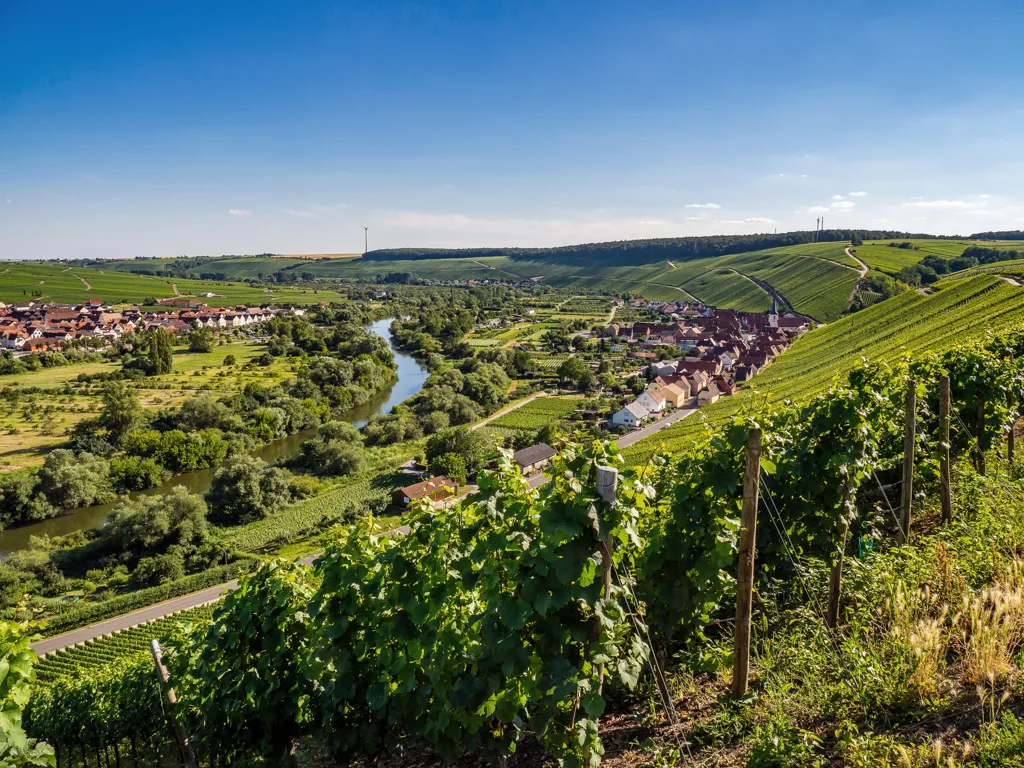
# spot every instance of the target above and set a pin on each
(958, 311)
(538, 413)
(726, 288)
(105, 650)
(351, 499)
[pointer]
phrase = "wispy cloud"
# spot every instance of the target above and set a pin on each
(748, 220)
(817, 209)
(837, 197)
(842, 205)
(703, 205)
(956, 204)
(232, 211)
(856, 194)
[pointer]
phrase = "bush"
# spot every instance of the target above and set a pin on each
(134, 473)
(69, 481)
(244, 488)
(152, 571)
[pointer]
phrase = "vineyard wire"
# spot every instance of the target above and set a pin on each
(899, 525)
(655, 667)
(786, 544)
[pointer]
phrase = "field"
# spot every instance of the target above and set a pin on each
(102, 651)
(957, 312)
(726, 288)
(54, 281)
(33, 423)
(537, 413)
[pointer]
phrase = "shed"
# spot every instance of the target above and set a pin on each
(534, 458)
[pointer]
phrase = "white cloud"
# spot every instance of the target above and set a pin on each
(232, 211)
(694, 218)
(960, 204)
(817, 209)
(748, 220)
(843, 205)
(857, 194)
(837, 197)
(703, 205)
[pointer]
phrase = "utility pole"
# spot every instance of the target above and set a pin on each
(366, 240)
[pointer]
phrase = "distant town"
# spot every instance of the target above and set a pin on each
(38, 327)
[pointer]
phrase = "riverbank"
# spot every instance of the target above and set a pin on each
(410, 376)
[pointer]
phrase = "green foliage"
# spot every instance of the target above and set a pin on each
(201, 340)
(401, 648)
(16, 663)
(134, 473)
(240, 680)
(121, 411)
(572, 371)
(471, 447)
(450, 465)
(76, 616)
(244, 488)
(115, 703)
(69, 481)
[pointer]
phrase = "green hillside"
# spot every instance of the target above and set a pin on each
(56, 281)
(816, 279)
(958, 311)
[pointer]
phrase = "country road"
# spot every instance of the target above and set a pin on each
(863, 267)
(213, 594)
(863, 273)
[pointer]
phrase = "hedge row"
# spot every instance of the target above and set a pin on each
(82, 615)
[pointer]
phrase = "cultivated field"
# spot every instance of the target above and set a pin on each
(39, 407)
(55, 281)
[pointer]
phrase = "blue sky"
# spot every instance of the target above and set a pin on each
(164, 128)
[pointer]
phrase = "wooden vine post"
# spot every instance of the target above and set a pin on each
(1011, 440)
(745, 575)
(909, 440)
(979, 429)
(835, 581)
(945, 488)
(164, 677)
(607, 482)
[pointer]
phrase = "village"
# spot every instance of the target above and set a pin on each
(700, 356)
(38, 327)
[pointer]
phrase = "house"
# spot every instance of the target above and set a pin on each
(534, 458)
(709, 395)
(653, 400)
(677, 394)
(632, 415)
(745, 372)
(666, 368)
(434, 488)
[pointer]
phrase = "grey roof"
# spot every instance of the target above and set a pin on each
(533, 454)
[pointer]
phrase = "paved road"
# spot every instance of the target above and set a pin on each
(651, 429)
(212, 594)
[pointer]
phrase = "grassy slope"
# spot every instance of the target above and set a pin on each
(58, 282)
(957, 312)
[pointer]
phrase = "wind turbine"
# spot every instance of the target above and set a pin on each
(366, 239)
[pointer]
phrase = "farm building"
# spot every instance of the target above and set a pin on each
(434, 488)
(534, 458)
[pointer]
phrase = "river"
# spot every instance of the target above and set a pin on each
(411, 376)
